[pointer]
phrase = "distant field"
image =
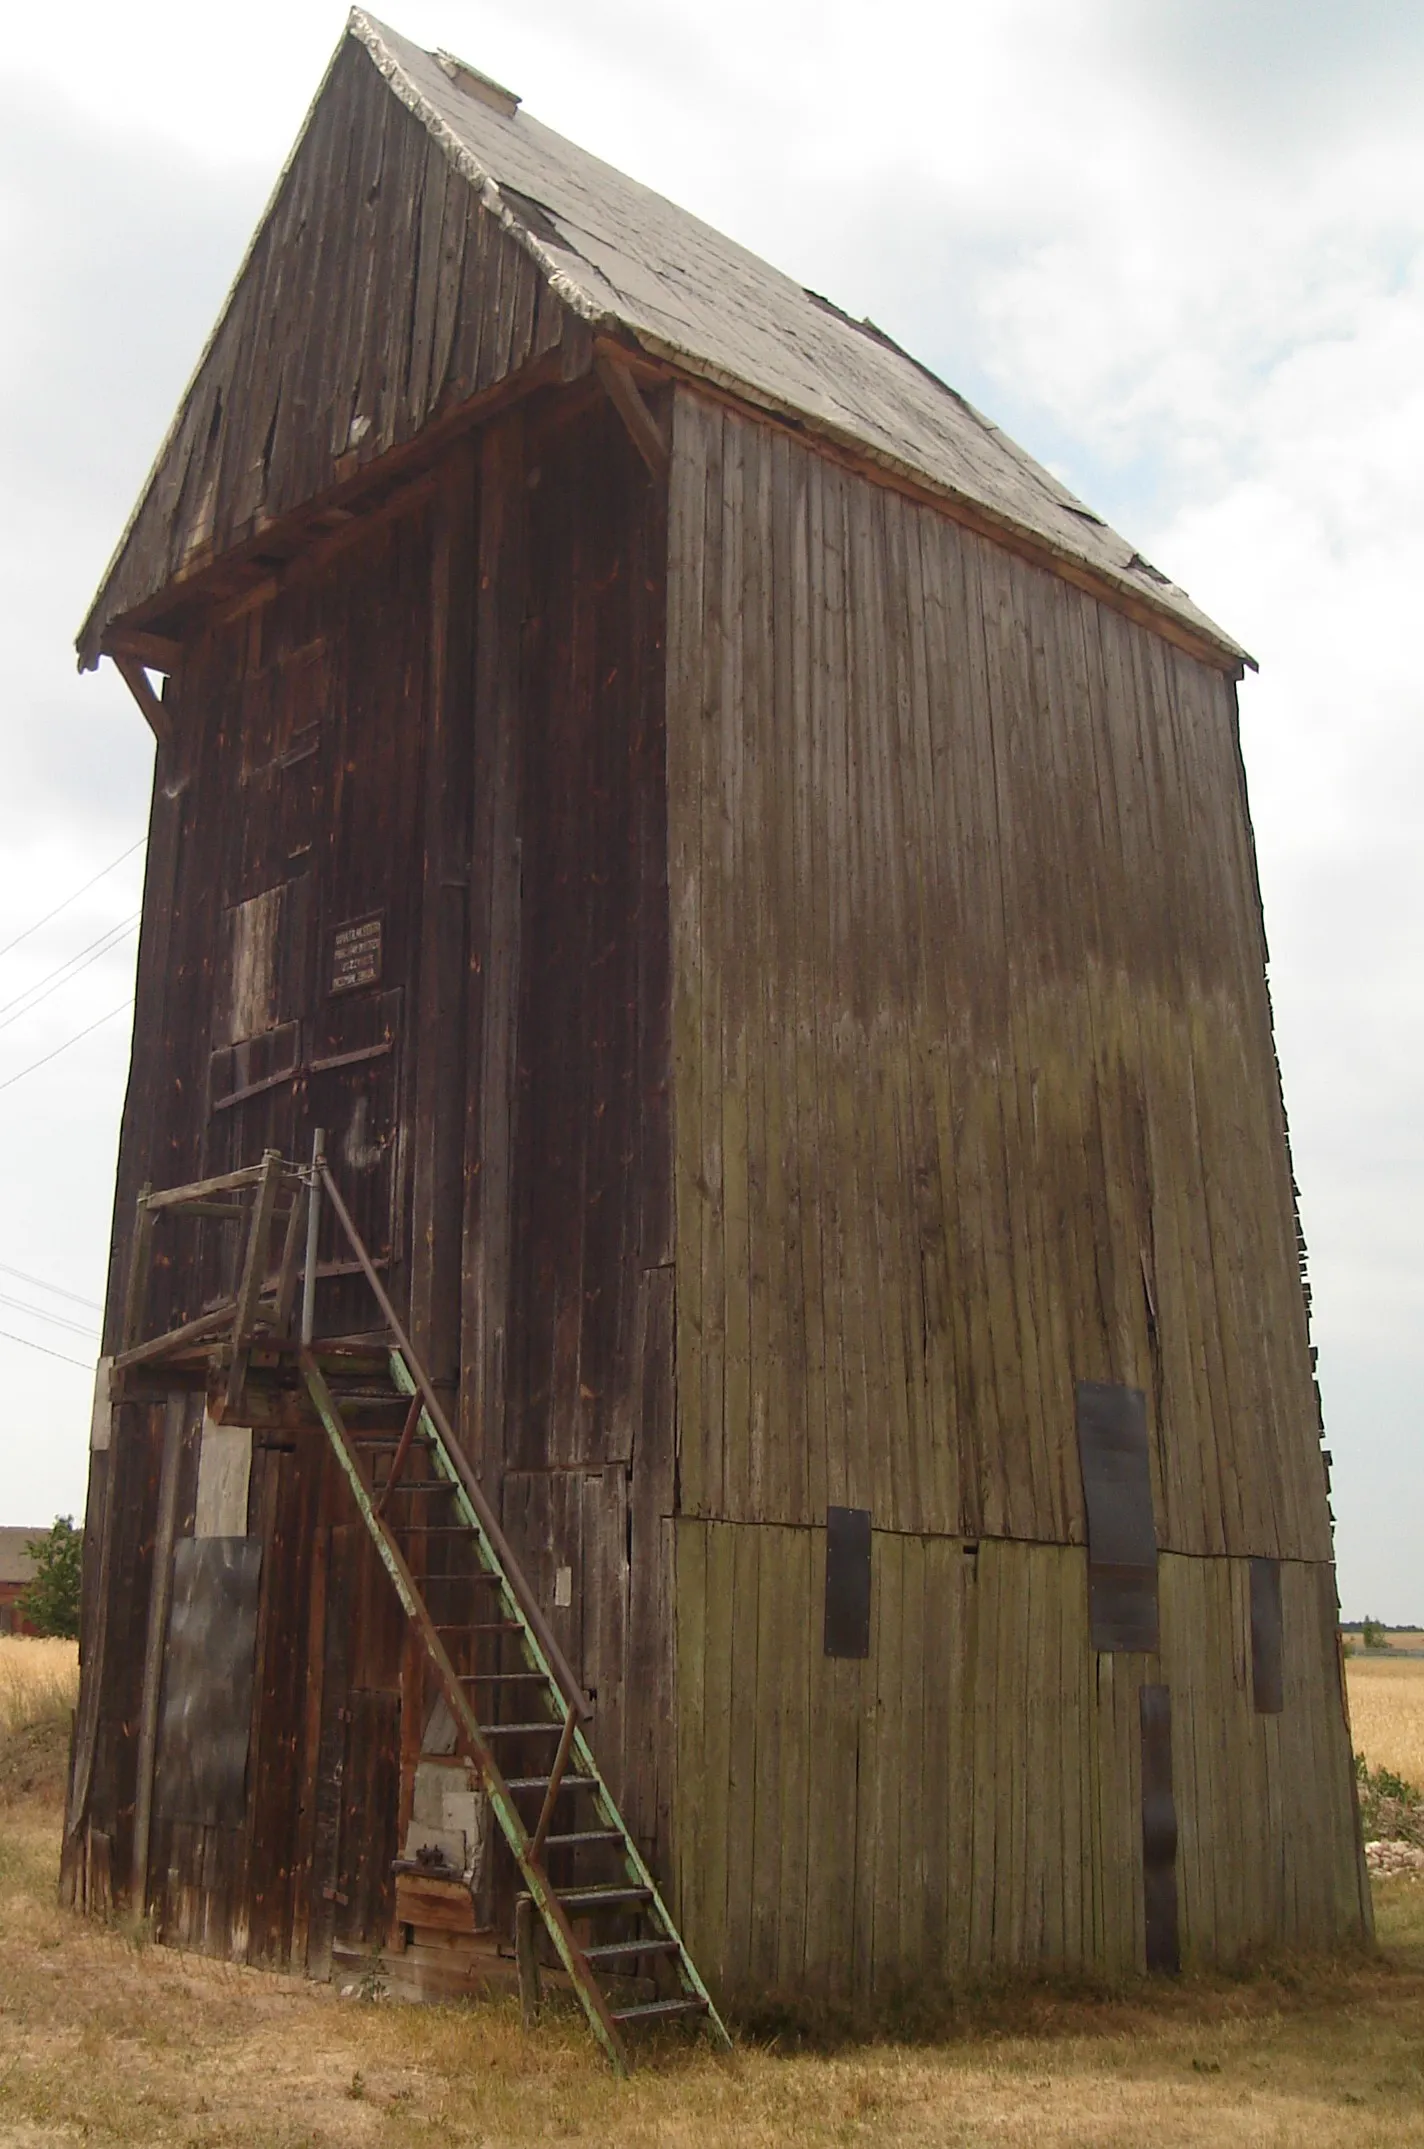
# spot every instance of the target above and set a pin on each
(1406, 1641)
(1387, 1712)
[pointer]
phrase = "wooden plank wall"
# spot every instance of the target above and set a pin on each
(567, 1326)
(378, 295)
(295, 782)
(975, 1088)
(975, 1097)
(968, 1796)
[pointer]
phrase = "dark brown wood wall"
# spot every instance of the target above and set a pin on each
(378, 294)
(291, 801)
(976, 1093)
(455, 726)
(568, 1318)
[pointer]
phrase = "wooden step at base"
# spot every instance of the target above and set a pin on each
(662, 2010)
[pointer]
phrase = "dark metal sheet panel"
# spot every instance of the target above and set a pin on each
(1159, 1830)
(1122, 1534)
(1267, 1681)
(207, 1687)
(847, 1581)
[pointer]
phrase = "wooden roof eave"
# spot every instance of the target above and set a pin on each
(246, 574)
(1206, 642)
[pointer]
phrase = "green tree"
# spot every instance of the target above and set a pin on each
(51, 1602)
(1372, 1635)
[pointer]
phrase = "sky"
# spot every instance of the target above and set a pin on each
(1176, 250)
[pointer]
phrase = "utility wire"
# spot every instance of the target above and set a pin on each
(37, 1313)
(57, 1288)
(103, 872)
(42, 989)
(82, 1363)
(11, 1080)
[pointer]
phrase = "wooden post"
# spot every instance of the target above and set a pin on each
(441, 1025)
(160, 1593)
(313, 1233)
(526, 1952)
(494, 944)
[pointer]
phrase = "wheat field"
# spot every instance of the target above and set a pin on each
(1387, 1713)
(38, 1679)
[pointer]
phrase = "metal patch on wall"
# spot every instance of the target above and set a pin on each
(1267, 1681)
(1122, 1534)
(207, 1680)
(356, 955)
(847, 1632)
(1159, 1830)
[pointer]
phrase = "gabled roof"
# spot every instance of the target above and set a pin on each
(631, 265)
(624, 258)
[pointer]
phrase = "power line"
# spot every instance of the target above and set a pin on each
(37, 1313)
(57, 1288)
(82, 1363)
(11, 1080)
(74, 898)
(37, 993)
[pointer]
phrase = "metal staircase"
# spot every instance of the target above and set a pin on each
(517, 1710)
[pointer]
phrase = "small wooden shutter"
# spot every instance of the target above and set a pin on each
(1122, 1535)
(847, 1582)
(1159, 1830)
(1266, 1671)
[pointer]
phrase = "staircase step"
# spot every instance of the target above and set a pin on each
(624, 1950)
(541, 1783)
(616, 1897)
(518, 1731)
(578, 1838)
(660, 2010)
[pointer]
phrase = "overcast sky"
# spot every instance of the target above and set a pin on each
(1176, 247)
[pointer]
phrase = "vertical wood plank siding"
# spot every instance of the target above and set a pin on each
(975, 1098)
(975, 1087)
(398, 296)
(968, 1796)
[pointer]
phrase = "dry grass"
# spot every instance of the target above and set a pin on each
(106, 2039)
(1387, 1713)
(39, 1683)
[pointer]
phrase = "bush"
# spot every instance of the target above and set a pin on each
(51, 1602)
(1391, 1809)
(1372, 1635)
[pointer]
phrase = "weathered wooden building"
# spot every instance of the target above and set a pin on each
(755, 882)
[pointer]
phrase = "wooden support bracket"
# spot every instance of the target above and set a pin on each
(135, 678)
(627, 399)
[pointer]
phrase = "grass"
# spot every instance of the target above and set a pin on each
(39, 1684)
(110, 2041)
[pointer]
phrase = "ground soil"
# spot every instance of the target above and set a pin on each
(107, 2039)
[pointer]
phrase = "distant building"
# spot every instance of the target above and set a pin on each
(17, 1569)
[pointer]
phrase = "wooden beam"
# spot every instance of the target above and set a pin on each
(136, 679)
(158, 651)
(627, 399)
(160, 1592)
